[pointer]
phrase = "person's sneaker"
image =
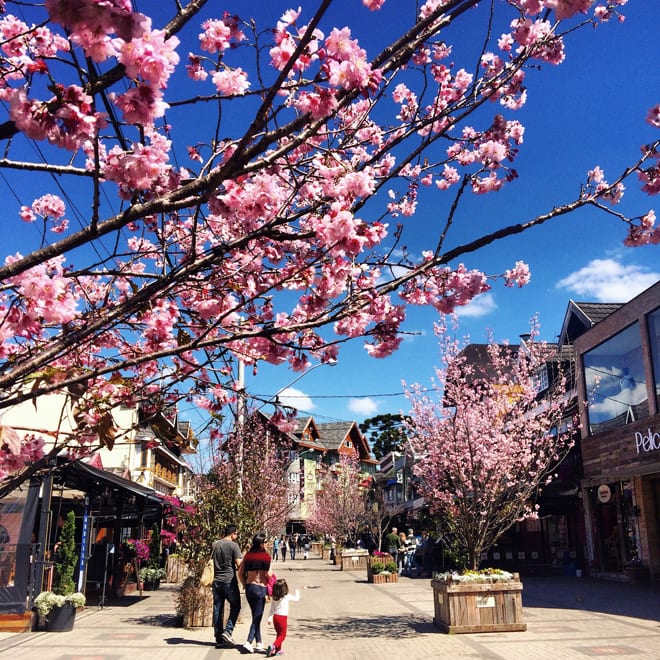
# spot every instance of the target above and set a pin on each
(248, 647)
(258, 646)
(228, 638)
(270, 652)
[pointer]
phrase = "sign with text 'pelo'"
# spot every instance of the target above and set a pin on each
(647, 442)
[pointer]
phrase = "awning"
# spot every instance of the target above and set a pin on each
(111, 496)
(89, 472)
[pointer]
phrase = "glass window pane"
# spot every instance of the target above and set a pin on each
(615, 382)
(654, 340)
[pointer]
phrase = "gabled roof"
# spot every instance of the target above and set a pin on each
(580, 316)
(333, 435)
(477, 359)
(308, 435)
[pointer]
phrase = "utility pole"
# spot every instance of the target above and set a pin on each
(240, 422)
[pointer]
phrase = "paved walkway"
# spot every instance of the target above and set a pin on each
(342, 617)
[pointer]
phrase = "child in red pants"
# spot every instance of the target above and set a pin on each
(279, 614)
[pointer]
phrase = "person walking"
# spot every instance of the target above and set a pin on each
(279, 615)
(276, 547)
(283, 547)
(226, 559)
(293, 544)
(254, 572)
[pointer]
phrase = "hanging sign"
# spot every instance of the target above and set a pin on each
(604, 494)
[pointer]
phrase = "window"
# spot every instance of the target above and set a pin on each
(654, 341)
(292, 498)
(541, 380)
(294, 477)
(615, 382)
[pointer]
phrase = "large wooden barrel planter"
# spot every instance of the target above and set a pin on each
(476, 607)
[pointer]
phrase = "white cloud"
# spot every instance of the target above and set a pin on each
(293, 398)
(480, 306)
(363, 406)
(607, 280)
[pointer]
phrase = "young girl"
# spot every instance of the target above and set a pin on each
(279, 612)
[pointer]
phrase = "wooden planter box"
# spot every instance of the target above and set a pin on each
(317, 548)
(380, 578)
(352, 560)
(383, 578)
(475, 607)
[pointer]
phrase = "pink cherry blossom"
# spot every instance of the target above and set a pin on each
(231, 82)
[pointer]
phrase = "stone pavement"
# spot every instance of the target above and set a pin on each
(342, 617)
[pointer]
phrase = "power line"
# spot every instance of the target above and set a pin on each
(340, 396)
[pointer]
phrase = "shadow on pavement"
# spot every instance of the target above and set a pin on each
(165, 620)
(641, 601)
(188, 642)
(361, 627)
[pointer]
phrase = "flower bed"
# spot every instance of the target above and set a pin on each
(475, 602)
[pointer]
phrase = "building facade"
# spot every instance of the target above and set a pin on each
(618, 361)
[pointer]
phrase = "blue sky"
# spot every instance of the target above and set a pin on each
(588, 111)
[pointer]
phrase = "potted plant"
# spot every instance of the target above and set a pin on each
(150, 577)
(58, 607)
(151, 574)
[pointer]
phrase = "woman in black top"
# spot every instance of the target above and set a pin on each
(253, 573)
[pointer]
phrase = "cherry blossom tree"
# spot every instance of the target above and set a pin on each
(339, 509)
(491, 440)
(198, 189)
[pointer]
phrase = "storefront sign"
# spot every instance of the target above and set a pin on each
(604, 494)
(646, 442)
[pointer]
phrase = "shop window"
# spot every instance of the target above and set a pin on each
(615, 382)
(654, 340)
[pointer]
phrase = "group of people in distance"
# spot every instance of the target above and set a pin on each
(294, 543)
(252, 570)
(402, 547)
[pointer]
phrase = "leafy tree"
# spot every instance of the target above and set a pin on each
(489, 443)
(339, 508)
(378, 514)
(386, 433)
(66, 557)
(164, 249)
(154, 547)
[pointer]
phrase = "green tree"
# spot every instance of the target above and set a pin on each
(386, 433)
